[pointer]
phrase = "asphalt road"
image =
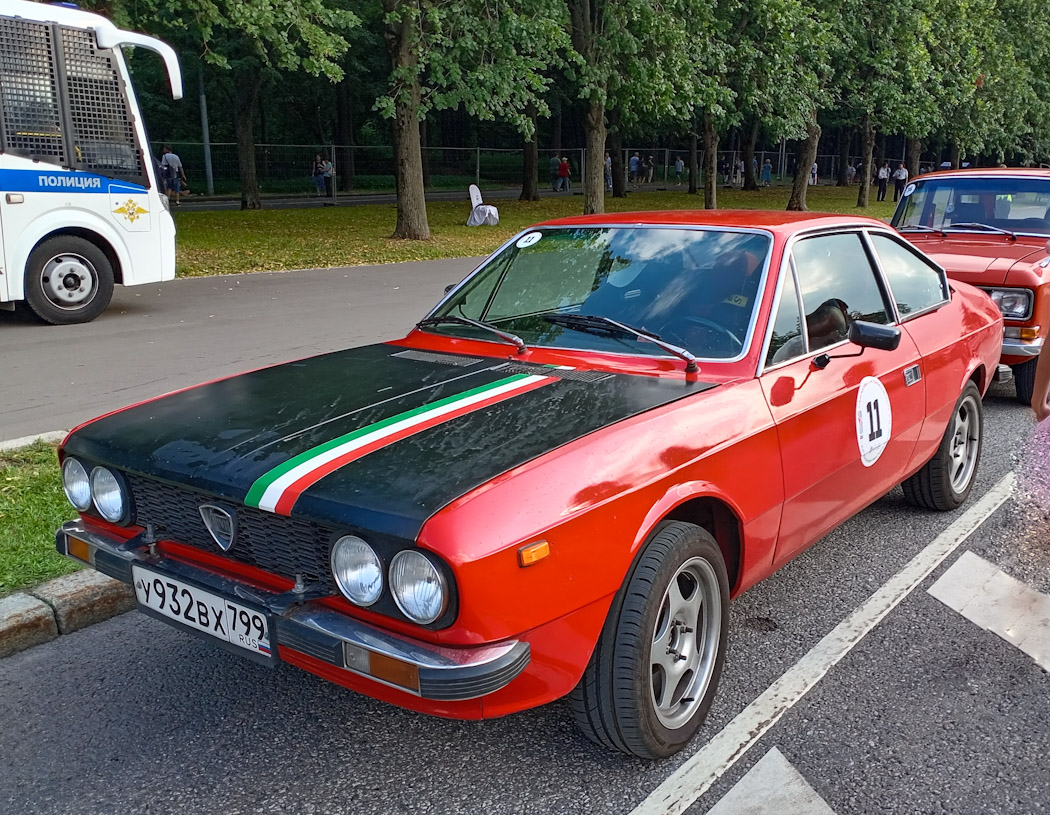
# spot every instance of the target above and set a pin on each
(929, 713)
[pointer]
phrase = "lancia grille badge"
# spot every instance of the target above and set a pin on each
(220, 524)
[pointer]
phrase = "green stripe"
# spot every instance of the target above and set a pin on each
(260, 486)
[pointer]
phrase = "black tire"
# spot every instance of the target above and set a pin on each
(1024, 380)
(946, 479)
(68, 280)
(616, 702)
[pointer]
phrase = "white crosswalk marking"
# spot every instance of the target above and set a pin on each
(772, 787)
(987, 596)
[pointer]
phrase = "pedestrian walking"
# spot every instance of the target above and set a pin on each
(554, 165)
(851, 173)
(564, 173)
(318, 175)
(767, 173)
(635, 167)
(174, 174)
(900, 178)
(813, 174)
(608, 170)
(883, 179)
(328, 176)
(649, 166)
(679, 168)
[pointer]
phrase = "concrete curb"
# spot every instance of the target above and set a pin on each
(60, 606)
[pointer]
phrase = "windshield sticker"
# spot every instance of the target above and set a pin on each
(525, 241)
(909, 190)
(874, 420)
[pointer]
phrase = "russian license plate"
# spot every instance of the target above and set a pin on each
(203, 611)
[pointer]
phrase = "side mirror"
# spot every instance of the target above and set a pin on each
(873, 335)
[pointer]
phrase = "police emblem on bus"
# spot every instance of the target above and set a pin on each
(220, 525)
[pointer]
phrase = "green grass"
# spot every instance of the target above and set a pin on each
(227, 242)
(32, 507)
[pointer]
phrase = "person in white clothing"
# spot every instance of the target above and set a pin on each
(884, 179)
(900, 178)
(173, 173)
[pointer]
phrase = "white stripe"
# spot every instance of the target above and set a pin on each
(772, 787)
(274, 492)
(693, 778)
(984, 594)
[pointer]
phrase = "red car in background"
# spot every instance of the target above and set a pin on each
(553, 485)
(991, 228)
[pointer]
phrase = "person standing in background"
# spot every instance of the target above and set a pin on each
(883, 179)
(900, 178)
(679, 168)
(767, 173)
(328, 174)
(635, 166)
(555, 164)
(318, 175)
(564, 175)
(173, 173)
(607, 166)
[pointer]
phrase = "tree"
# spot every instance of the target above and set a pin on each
(248, 40)
(490, 56)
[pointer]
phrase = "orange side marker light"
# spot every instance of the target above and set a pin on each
(533, 553)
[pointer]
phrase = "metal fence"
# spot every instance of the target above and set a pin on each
(286, 169)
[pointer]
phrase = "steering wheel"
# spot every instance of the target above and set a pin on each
(679, 328)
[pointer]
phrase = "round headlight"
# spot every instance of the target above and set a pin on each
(76, 484)
(357, 569)
(418, 587)
(107, 494)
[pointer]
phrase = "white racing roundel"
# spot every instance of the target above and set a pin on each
(525, 241)
(874, 420)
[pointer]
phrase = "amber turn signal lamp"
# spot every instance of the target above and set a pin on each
(79, 549)
(394, 671)
(533, 553)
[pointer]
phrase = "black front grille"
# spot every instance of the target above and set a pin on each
(275, 543)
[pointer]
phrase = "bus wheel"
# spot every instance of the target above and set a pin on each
(68, 280)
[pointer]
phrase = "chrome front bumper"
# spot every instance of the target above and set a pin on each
(444, 673)
(1021, 348)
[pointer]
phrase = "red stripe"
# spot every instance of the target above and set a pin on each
(297, 488)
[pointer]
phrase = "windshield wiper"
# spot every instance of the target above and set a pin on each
(594, 322)
(513, 339)
(990, 228)
(921, 228)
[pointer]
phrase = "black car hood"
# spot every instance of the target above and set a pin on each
(229, 437)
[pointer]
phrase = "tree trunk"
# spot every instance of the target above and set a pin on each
(867, 145)
(246, 86)
(955, 155)
(344, 136)
(845, 141)
(556, 131)
(694, 167)
(750, 181)
(614, 138)
(880, 149)
(424, 154)
(401, 38)
(594, 172)
(710, 162)
(912, 152)
(530, 184)
(804, 158)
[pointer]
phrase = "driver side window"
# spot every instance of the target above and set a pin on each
(838, 286)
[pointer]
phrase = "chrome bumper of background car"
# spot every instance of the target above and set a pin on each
(438, 672)
(1021, 348)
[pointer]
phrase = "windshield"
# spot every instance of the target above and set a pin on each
(1014, 204)
(695, 288)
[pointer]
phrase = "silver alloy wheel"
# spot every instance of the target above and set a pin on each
(965, 443)
(685, 643)
(68, 280)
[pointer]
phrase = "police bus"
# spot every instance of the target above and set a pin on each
(80, 208)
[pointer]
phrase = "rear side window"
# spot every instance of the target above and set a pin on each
(917, 284)
(838, 286)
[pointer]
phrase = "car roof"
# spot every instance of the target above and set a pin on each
(989, 172)
(773, 220)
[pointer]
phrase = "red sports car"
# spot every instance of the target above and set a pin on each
(990, 227)
(553, 485)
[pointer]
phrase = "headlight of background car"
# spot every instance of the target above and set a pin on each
(357, 569)
(108, 493)
(418, 586)
(1013, 303)
(76, 483)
